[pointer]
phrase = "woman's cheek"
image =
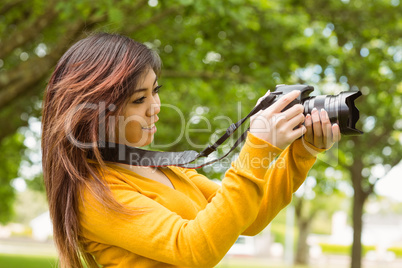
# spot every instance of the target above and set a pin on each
(133, 132)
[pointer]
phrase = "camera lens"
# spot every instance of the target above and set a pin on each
(340, 108)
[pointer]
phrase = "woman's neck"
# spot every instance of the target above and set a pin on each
(138, 169)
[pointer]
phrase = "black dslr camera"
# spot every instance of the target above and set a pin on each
(340, 108)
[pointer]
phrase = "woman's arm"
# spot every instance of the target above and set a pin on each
(290, 169)
(285, 176)
(288, 172)
(160, 234)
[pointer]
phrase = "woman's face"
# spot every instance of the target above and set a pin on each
(137, 128)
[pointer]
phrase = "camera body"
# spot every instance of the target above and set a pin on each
(340, 108)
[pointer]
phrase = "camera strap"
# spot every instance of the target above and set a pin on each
(121, 153)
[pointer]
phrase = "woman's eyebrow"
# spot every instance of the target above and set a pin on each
(144, 89)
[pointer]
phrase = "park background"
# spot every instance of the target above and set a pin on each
(218, 58)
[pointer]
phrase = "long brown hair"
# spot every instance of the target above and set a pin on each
(92, 82)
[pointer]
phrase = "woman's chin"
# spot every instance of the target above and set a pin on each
(139, 143)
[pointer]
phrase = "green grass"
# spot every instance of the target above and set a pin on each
(234, 265)
(342, 249)
(26, 261)
(397, 251)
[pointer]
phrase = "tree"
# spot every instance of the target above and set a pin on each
(12, 151)
(218, 53)
(370, 59)
(204, 47)
(320, 193)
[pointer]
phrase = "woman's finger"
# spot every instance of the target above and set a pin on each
(309, 126)
(317, 128)
(336, 133)
(298, 132)
(326, 129)
(293, 111)
(295, 121)
(274, 111)
(280, 104)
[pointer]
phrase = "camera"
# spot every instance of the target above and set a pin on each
(341, 108)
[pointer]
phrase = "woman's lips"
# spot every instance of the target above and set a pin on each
(150, 128)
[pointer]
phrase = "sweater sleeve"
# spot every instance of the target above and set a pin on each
(207, 187)
(162, 235)
(284, 177)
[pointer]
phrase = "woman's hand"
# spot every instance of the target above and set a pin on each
(320, 132)
(279, 128)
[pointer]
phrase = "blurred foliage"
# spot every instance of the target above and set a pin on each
(35, 200)
(12, 151)
(219, 57)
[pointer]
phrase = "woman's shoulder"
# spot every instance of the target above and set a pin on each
(187, 172)
(107, 178)
(112, 174)
(191, 175)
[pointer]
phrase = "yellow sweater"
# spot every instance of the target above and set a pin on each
(196, 223)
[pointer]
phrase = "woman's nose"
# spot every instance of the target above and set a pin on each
(155, 107)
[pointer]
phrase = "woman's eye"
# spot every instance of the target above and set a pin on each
(140, 100)
(157, 89)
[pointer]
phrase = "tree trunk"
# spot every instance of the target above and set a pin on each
(358, 202)
(360, 196)
(303, 224)
(302, 253)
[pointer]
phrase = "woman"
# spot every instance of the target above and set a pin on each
(105, 88)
